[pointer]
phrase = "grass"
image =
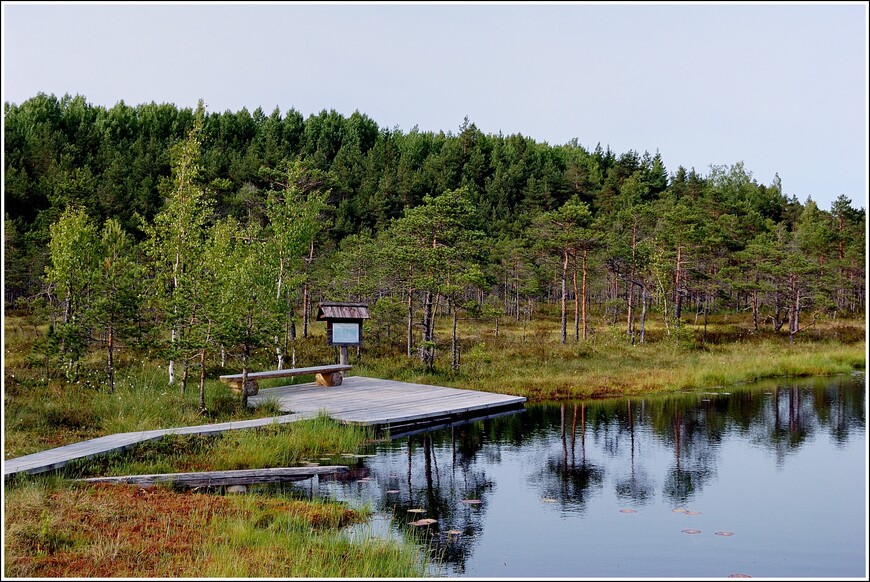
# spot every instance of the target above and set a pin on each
(57, 529)
(284, 445)
(538, 366)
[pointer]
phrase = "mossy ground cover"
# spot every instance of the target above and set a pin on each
(56, 529)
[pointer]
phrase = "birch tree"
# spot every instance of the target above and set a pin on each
(176, 241)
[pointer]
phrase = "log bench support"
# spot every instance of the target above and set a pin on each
(331, 375)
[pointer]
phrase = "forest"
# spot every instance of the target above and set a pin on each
(201, 236)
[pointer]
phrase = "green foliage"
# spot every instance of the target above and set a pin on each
(73, 249)
(175, 246)
(334, 207)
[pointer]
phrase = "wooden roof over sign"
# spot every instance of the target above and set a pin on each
(342, 311)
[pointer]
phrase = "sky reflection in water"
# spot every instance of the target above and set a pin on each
(589, 488)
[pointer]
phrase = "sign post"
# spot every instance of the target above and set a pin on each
(343, 325)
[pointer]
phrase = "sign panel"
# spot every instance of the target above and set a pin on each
(345, 333)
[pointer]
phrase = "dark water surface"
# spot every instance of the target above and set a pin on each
(767, 480)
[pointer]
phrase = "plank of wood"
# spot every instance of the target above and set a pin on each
(222, 478)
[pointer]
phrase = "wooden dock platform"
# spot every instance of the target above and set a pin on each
(358, 400)
(372, 401)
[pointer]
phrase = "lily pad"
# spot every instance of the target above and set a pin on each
(471, 501)
(691, 531)
(627, 511)
(391, 491)
(423, 522)
(679, 510)
(417, 510)
(453, 532)
(691, 513)
(548, 500)
(739, 576)
(727, 534)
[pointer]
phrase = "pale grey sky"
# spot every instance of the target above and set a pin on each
(782, 87)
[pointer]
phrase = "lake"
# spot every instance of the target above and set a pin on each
(762, 480)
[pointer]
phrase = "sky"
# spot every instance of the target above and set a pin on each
(782, 88)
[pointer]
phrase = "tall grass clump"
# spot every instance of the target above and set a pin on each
(279, 541)
(278, 445)
(288, 444)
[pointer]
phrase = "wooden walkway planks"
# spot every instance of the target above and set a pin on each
(358, 400)
(60, 456)
(372, 401)
(223, 478)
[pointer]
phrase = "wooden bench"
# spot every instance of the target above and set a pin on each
(331, 375)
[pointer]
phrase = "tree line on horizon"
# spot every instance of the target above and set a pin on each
(216, 232)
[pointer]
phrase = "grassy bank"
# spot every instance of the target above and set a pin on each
(601, 369)
(55, 529)
(531, 361)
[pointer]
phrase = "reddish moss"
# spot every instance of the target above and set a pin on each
(129, 531)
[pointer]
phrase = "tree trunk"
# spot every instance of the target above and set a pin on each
(110, 344)
(778, 319)
(245, 355)
(794, 308)
(704, 338)
(171, 367)
(678, 294)
(306, 309)
(643, 312)
(584, 295)
(576, 299)
(454, 346)
(755, 305)
(630, 288)
(427, 354)
(410, 323)
(202, 408)
(185, 372)
(614, 295)
(564, 330)
(306, 293)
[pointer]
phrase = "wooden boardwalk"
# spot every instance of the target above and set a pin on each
(358, 400)
(372, 401)
(60, 456)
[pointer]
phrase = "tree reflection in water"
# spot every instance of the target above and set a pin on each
(638, 486)
(572, 452)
